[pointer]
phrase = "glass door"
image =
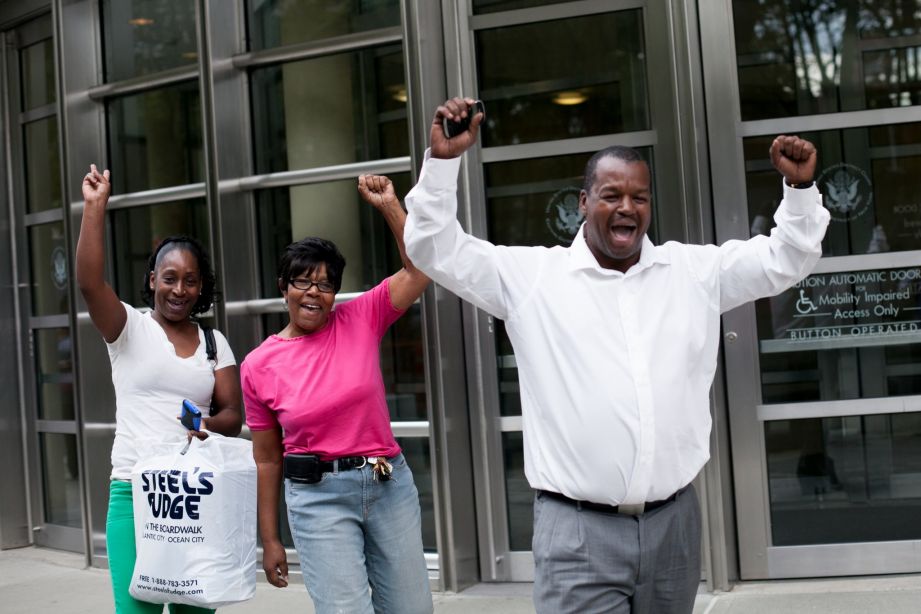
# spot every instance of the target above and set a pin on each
(44, 273)
(824, 387)
(560, 81)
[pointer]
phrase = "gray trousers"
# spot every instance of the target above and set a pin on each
(592, 562)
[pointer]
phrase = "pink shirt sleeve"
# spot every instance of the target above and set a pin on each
(259, 417)
(375, 308)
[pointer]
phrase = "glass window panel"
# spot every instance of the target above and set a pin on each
(416, 451)
(49, 274)
(403, 366)
(37, 67)
(155, 139)
(54, 373)
(519, 496)
(495, 6)
(870, 178)
(337, 109)
(509, 388)
(43, 165)
(844, 479)
(273, 23)
(535, 202)
(803, 58)
(141, 37)
(61, 483)
(332, 210)
(136, 231)
(563, 79)
(842, 335)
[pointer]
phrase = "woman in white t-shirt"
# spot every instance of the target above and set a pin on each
(158, 359)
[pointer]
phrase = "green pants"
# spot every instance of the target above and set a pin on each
(122, 553)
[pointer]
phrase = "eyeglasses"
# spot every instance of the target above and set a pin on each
(305, 284)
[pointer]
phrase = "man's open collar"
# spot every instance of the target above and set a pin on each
(581, 257)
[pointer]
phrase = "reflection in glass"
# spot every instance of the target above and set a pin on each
(844, 479)
(37, 67)
(403, 366)
(519, 496)
(580, 77)
(416, 451)
(141, 37)
(61, 479)
(43, 165)
(273, 23)
(136, 231)
(332, 210)
(335, 109)
(54, 373)
(870, 179)
(509, 388)
(843, 335)
(803, 58)
(49, 272)
(495, 6)
(155, 139)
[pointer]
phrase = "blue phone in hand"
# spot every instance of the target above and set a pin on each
(190, 416)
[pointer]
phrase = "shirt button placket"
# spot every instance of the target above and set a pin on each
(639, 370)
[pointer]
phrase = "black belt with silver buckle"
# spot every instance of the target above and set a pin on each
(309, 469)
(632, 510)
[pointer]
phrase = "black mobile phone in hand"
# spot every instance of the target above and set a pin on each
(190, 416)
(453, 128)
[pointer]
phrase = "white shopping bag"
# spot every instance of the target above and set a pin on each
(195, 522)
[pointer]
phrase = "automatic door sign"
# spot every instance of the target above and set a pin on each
(877, 307)
(846, 190)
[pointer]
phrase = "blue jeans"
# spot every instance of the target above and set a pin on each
(354, 533)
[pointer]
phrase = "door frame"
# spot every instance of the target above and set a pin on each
(39, 25)
(758, 558)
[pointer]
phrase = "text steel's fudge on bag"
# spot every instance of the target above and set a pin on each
(195, 522)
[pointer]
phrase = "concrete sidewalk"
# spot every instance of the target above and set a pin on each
(39, 581)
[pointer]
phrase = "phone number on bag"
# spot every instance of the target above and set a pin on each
(170, 583)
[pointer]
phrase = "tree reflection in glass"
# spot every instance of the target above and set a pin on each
(803, 57)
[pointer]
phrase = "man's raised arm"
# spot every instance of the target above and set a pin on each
(435, 241)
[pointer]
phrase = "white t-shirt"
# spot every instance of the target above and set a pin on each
(150, 383)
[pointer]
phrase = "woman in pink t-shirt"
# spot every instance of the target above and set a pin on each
(314, 398)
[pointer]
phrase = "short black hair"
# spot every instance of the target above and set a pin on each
(306, 256)
(620, 152)
(208, 279)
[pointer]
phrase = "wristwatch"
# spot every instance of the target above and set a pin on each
(801, 186)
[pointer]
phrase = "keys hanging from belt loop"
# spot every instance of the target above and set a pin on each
(382, 469)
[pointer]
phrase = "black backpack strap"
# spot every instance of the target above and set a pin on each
(211, 352)
(210, 344)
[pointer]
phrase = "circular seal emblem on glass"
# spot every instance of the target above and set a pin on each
(563, 215)
(847, 191)
(59, 268)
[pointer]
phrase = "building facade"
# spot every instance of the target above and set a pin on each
(246, 122)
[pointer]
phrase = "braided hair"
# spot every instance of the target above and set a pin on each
(208, 279)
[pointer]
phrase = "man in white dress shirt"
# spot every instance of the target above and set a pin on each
(616, 344)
